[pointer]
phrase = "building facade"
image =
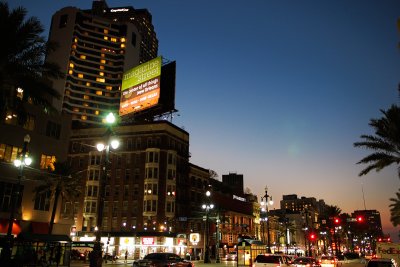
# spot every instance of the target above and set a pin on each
(48, 143)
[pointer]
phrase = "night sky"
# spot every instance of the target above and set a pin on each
(279, 90)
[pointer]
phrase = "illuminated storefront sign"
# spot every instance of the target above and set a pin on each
(148, 241)
(126, 241)
(194, 238)
(239, 198)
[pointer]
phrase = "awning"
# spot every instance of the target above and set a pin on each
(16, 229)
(40, 227)
(30, 237)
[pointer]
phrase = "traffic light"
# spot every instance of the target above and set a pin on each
(312, 236)
(336, 220)
(360, 219)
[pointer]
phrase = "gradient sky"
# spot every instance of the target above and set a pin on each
(279, 90)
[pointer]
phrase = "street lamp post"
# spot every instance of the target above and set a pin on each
(96, 259)
(207, 207)
(268, 201)
(22, 160)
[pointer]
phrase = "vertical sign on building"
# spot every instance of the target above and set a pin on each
(140, 87)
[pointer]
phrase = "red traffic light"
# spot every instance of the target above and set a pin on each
(336, 220)
(312, 236)
(360, 219)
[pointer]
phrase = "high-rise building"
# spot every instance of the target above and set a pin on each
(234, 180)
(94, 48)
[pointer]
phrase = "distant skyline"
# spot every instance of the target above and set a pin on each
(279, 90)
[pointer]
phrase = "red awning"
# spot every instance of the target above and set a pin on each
(16, 229)
(40, 227)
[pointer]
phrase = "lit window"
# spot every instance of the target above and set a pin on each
(103, 55)
(70, 72)
(84, 117)
(122, 45)
(99, 93)
(101, 73)
(86, 97)
(47, 162)
(76, 109)
(96, 112)
(123, 40)
(80, 75)
(83, 57)
(113, 39)
(88, 84)
(103, 61)
(102, 80)
(108, 87)
(71, 65)
(85, 104)
(105, 37)
(105, 30)
(101, 67)
(76, 40)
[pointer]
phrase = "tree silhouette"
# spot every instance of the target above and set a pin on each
(385, 144)
(60, 182)
(23, 65)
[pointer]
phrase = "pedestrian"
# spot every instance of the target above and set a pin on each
(126, 256)
(114, 256)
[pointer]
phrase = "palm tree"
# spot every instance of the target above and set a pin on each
(331, 213)
(61, 183)
(23, 65)
(395, 209)
(385, 144)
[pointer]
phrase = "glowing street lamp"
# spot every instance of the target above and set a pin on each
(20, 162)
(207, 207)
(113, 143)
(266, 201)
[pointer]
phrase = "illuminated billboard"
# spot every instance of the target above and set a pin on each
(141, 87)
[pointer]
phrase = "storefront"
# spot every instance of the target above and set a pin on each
(143, 243)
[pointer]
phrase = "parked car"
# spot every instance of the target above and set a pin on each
(266, 260)
(162, 259)
(329, 261)
(77, 255)
(381, 263)
(306, 262)
(108, 256)
(231, 256)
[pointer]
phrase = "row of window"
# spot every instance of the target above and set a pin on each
(8, 191)
(10, 153)
(149, 189)
(148, 206)
(152, 156)
(52, 129)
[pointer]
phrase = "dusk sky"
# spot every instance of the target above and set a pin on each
(279, 90)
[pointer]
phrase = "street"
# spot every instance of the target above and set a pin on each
(358, 263)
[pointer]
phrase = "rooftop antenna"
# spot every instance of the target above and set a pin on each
(362, 189)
